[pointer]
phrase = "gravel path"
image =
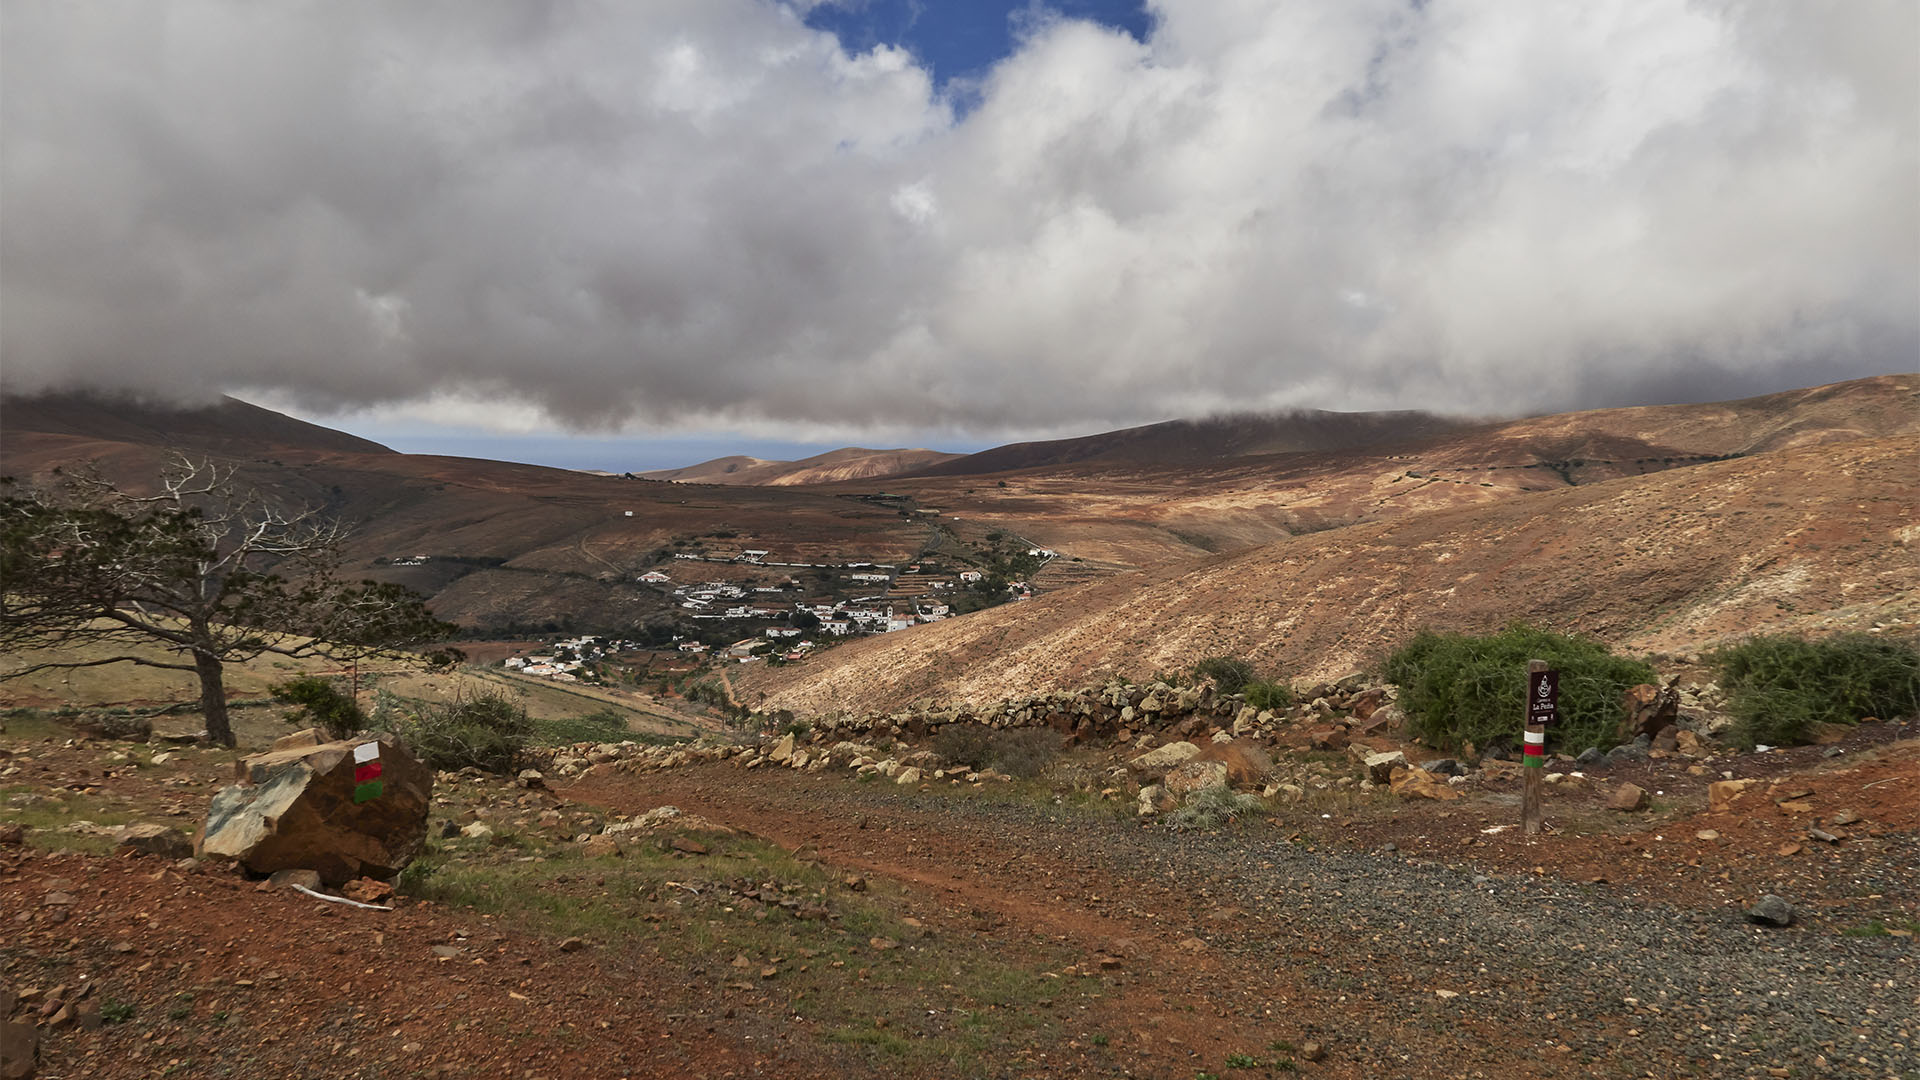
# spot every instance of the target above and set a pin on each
(1399, 966)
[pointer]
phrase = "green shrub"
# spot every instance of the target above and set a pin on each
(487, 730)
(1782, 687)
(321, 704)
(1262, 694)
(1230, 675)
(1460, 688)
(1212, 807)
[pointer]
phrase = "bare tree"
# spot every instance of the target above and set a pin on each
(210, 571)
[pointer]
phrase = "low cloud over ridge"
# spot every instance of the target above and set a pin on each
(704, 212)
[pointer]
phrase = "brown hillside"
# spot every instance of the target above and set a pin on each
(1139, 515)
(511, 547)
(1807, 537)
(1205, 441)
(849, 463)
(228, 426)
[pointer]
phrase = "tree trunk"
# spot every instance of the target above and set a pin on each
(213, 698)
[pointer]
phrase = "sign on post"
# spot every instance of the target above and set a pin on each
(1543, 708)
(1543, 697)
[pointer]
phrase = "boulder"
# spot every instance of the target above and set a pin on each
(1248, 763)
(155, 840)
(1628, 797)
(782, 750)
(1153, 799)
(1420, 784)
(1649, 708)
(1380, 766)
(296, 809)
(1155, 763)
(908, 775)
(1771, 911)
(1183, 780)
(19, 1051)
(1721, 794)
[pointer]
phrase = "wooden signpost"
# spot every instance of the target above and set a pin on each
(1543, 705)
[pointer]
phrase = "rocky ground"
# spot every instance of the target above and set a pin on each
(832, 920)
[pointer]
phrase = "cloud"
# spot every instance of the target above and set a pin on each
(704, 212)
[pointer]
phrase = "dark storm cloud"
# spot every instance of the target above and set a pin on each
(704, 212)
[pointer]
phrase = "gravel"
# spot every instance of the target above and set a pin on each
(1596, 979)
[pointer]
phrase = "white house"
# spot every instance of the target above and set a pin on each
(655, 577)
(971, 576)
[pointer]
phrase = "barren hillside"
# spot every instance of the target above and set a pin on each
(849, 463)
(1805, 537)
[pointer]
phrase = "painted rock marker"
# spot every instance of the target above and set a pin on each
(366, 772)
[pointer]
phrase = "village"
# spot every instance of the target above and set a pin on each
(846, 600)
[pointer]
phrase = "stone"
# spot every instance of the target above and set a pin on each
(687, 845)
(12, 834)
(1327, 737)
(1184, 780)
(530, 778)
(1247, 762)
(1689, 744)
(296, 809)
(1771, 911)
(1420, 784)
(1722, 794)
(908, 775)
(303, 739)
(1380, 766)
(1153, 800)
(572, 944)
(1649, 709)
(782, 750)
(367, 891)
(600, 847)
(19, 1051)
(1706, 834)
(155, 840)
(1844, 817)
(86, 1015)
(1312, 1051)
(1155, 763)
(287, 879)
(477, 830)
(1628, 797)
(1589, 757)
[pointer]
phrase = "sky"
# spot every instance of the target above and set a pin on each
(639, 230)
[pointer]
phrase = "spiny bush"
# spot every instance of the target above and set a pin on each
(1230, 674)
(1781, 687)
(320, 704)
(1021, 752)
(1462, 688)
(487, 730)
(1212, 807)
(1024, 752)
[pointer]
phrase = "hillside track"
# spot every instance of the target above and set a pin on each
(1264, 936)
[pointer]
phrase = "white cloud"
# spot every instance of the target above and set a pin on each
(674, 212)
